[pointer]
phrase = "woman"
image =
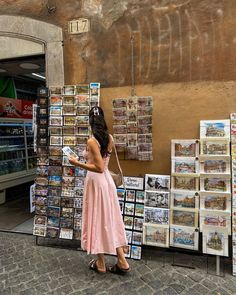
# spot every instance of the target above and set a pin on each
(102, 225)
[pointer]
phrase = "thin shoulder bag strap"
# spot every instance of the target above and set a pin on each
(117, 160)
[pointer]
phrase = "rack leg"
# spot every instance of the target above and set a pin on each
(218, 265)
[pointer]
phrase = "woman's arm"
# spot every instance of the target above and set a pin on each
(98, 165)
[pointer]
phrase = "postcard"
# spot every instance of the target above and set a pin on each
(119, 120)
(65, 161)
(215, 201)
(157, 199)
(156, 215)
(139, 210)
(184, 237)
(55, 140)
(129, 209)
(55, 121)
(55, 161)
(136, 252)
(184, 217)
(68, 130)
(42, 131)
(215, 218)
(66, 222)
(82, 100)
(140, 196)
(129, 236)
(69, 140)
(184, 148)
(132, 127)
(132, 116)
(215, 240)
(55, 151)
(54, 180)
(184, 165)
(40, 201)
(42, 101)
(216, 147)
(54, 191)
(39, 230)
(69, 110)
(53, 211)
(78, 192)
(41, 190)
(190, 183)
(144, 129)
(94, 88)
(121, 193)
(69, 120)
(131, 153)
(144, 102)
(215, 128)
(184, 199)
(55, 131)
(138, 224)
(119, 112)
(156, 235)
(137, 238)
(66, 233)
(55, 101)
(82, 111)
(68, 90)
(52, 232)
(67, 212)
(40, 210)
(42, 111)
(82, 131)
(145, 111)
(53, 201)
(84, 89)
(77, 234)
(42, 121)
(145, 156)
(41, 181)
(55, 170)
(69, 171)
(79, 181)
(78, 203)
(55, 90)
(53, 221)
(215, 164)
(55, 111)
(77, 223)
(132, 140)
(68, 181)
(43, 141)
(130, 196)
(40, 220)
(67, 202)
(120, 138)
(78, 213)
(144, 120)
(119, 103)
(67, 192)
(82, 120)
(42, 151)
(79, 172)
(128, 222)
(132, 103)
(215, 183)
(144, 147)
(155, 182)
(144, 138)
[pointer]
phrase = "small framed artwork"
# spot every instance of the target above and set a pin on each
(54, 191)
(130, 196)
(69, 110)
(82, 111)
(67, 192)
(55, 151)
(53, 221)
(137, 238)
(156, 216)
(184, 237)
(68, 130)
(42, 101)
(138, 224)
(121, 194)
(55, 131)
(183, 165)
(55, 111)
(215, 240)
(39, 230)
(119, 129)
(82, 120)
(68, 90)
(55, 170)
(136, 252)
(52, 232)
(128, 222)
(54, 180)
(94, 89)
(68, 181)
(40, 220)
(215, 128)
(55, 90)
(215, 147)
(83, 131)
(69, 120)
(155, 182)
(215, 201)
(82, 89)
(129, 209)
(156, 235)
(215, 218)
(184, 218)
(217, 183)
(55, 140)
(184, 148)
(69, 140)
(157, 199)
(55, 121)
(190, 183)
(79, 181)
(119, 103)
(66, 233)
(215, 164)
(184, 200)
(140, 196)
(67, 202)
(81, 139)
(82, 100)
(139, 210)
(53, 211)
(55, 100)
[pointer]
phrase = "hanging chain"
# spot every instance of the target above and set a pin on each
(133, 90)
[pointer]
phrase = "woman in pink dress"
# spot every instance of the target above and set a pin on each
(103, 229)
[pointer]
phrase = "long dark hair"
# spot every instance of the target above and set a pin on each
(99, 129)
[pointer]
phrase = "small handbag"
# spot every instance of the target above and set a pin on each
(117, 177)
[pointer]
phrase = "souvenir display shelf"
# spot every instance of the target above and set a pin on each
(17, 157)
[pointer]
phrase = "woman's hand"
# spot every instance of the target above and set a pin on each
(73, 160)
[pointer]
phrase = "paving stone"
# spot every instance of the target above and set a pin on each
(221, 291)
(169, 291)
(196, 277)
(177, 287)
(145, 290)
(209, 284)
(201, 289)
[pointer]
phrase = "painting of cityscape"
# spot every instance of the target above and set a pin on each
(185, 218)
(156, 235)
(184, 148)
(215, 184)
(216, 147)
(214, 218)
(157, 182)
(219, 165)
(215, 201)
(157, 199)
(187, 200)
(184, 237)
(185, 183)
(215, 241)
(156, 215)
(184, 165)
(215, 128)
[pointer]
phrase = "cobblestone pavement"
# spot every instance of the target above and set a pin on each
(29, 269)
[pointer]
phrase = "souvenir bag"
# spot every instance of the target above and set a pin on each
(117, 177)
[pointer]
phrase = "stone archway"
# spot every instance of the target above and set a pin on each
(42, 33)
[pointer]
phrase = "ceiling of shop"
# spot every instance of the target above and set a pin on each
(23, 67)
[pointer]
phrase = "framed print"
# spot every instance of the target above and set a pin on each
(82, 111)
(67, 192)
(68, 90)
(55, 151)
(155, 182)
(55, 121)
(41, 181)
(54, 191)
(190, 183)
(215, 164)
(156, 235)
(215, 201)
(55, 90)
(184, 218)
(217, 183)
(130, 196)
(55, 140)
(54, 180)
(40, 220)
(39, 230)
(67, 202)
(215, 147)
(55, 131)
(215, 128)
(52, 232)
(84, 89)
(68, 130)
(129, 209)
(68, 181)
(82, 120)
(82, 131)
(66, 233)
(55, 170)
(55, 161)
(184, 148)
(119, 103)
(69, 171)
(139, 210)
(69, 110)
(69, 120)
(136, 252)
(215, 240)
(138, 224)
(156, 216)
(55, 100)
(53, 211)
(40, 201)
(82, 100)
(67, 212)
(55, 111)
(182, 165)
(137, 238)
(132, 140)
(121, 194)
(184, 199)
(215, 218)
(157, 199)
(128, 222)
(53, 201)
(69, 140)
(144, 102)
(184, 237)
(42, 171)
(53, 221)
(140, 196)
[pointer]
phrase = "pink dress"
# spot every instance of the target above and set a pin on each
(102, 224)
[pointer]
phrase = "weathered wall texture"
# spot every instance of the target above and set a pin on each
(184, 55)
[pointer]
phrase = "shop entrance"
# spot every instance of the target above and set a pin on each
(31, 56)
